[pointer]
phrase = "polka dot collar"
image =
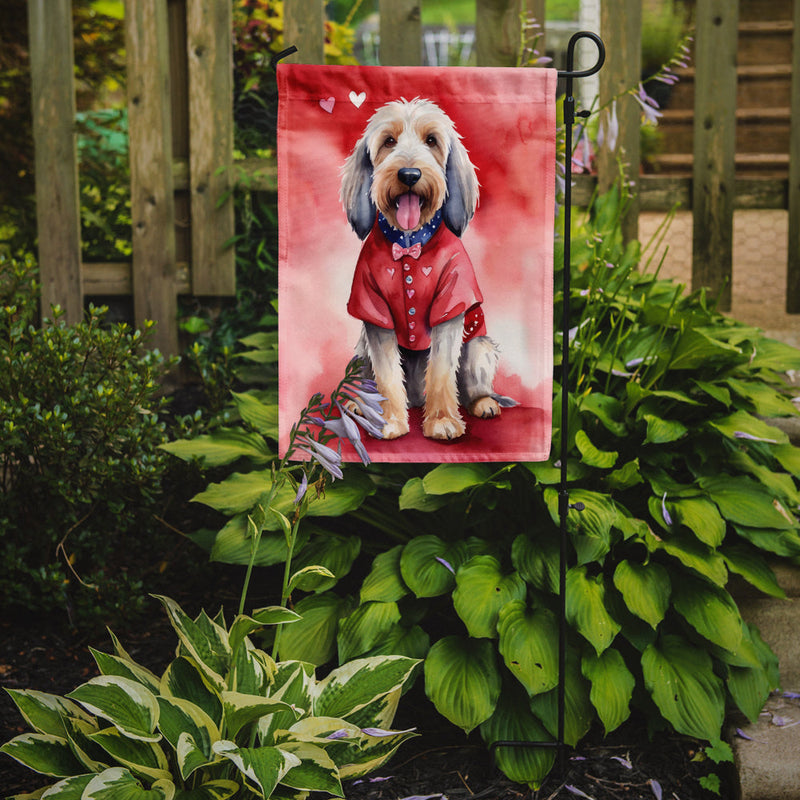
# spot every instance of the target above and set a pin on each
(405, 238)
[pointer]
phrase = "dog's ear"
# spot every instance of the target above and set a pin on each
(355, 191)
(462, 188)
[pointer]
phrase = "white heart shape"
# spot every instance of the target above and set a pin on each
(426, 271)
(357, 99)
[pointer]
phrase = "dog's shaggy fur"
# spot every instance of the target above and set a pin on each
(412, 147)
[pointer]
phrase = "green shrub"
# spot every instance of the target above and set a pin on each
(684, 484)
(79, 428)
(223, 720)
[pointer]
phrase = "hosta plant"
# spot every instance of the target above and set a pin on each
(224, 720)
(683, 482)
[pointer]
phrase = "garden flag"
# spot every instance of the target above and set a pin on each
(416, 220)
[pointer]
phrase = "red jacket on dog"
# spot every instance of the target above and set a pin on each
(414, 294)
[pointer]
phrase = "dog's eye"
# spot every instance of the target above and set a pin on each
(431, 141)
(389, 141)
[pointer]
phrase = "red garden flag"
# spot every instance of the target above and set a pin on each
(416, 223)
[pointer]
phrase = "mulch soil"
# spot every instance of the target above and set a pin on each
(45, 654)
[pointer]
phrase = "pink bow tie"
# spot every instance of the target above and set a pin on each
(398, 252)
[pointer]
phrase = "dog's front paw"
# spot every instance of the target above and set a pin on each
(444, 427)
(394, 428)
(485, 408)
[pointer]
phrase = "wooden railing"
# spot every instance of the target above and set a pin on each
(181, 134)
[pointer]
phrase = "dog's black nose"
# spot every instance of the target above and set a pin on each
(409, 175)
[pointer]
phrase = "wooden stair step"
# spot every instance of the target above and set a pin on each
(762, 164)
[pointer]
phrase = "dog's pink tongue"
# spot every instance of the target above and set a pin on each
(408, 211)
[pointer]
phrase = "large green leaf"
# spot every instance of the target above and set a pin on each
(223, 446)
(126, 704)
(462, 680)
(234, 543)
(608, 410)
(701, 517)
(741, 425)
(144, 759)
(126, 668)
(682, 683)
(183, 679)
(335, 553)
(313, 638)
(44, 753)
(586, 608)
(428, 565)
(449, 478)
(745, 502)
(414, 497)
(358, 683)
(385, 582)
(696, 349)
(746, 561)
(591, 455)
(646, 589)
(529, 645)
(766, 400)
(178, 716)
(513, 721)
(690, 552)
(589, 526)
(212, 790)
(117, 783)
(578, 710)
(537, 561)
(264, 766)
(481, 591)
(45, 712)
(663, 431)
(261, 416)
(205, 641)
(781, 542)
(316, 771)
(612, 687)
(68, 789)
(241, 709)
(709, 609)
(365, 627)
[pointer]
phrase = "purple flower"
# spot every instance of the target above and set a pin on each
(447, 564)
(329, 459)
(664, 512)
(751, 437)
(624, 761)
(608, 131)
(301, 489)
(577, 792)
(655, 786)
(380, 732)
(342, 733)
(648, 105)
(742, 735)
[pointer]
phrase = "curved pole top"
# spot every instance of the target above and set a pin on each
(570, 72)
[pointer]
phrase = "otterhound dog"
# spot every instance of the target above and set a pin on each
(424, 337)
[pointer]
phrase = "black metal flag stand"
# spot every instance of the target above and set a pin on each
(569, 75)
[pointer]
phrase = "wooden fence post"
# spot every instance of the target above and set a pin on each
(152, 200)
(210, 55)
(498, 30)
(304, 27)
(621, 28)
(401, 33)
(793, 266)
(56, 161)
(714, 190)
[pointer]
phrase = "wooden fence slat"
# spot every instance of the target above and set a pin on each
(152, 201)
(401, 33)
(793, 266)
(56, 161)
(717, 23)
(210, 55)
(621, 29)
(304, 27)
(497, 32)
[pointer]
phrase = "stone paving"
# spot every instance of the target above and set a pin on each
(760, 247)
